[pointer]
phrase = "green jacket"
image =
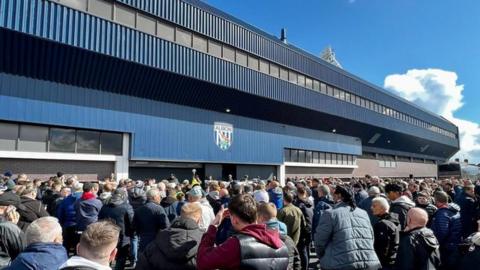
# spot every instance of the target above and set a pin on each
(292, 216)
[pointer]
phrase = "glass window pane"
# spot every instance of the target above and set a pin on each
(77, 4)
(336, 93)
(183, 37)
(264, 66)
(286, 155)
(294, 155)
(111, 143)
(241, 58)
(125, 15)
(316, 85)
(347, 97)
(229, 53)
(283, 74)
(334, 159)
(316, 158)
(357, 100)
(323, 88)
(146, 24)
(88, 142)
(8, 136)
(33, 138)
(329, 90)
(342, 94)
(322, 158)
(200, 43)
(301, 80)
(292, 76)
(252, 62)
(301, 156)
(101, 8)
(165, 31)
(274, 70)
(328, 158)
(308, 157)
(309, 83)
(62, 140)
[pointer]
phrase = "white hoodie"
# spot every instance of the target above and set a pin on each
(80, 261)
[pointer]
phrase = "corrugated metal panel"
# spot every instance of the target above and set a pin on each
(48, 20)
(162, 131)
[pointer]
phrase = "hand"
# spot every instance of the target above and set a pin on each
(13, 216)
(219, 217)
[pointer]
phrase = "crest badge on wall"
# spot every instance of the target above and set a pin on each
(223, 135)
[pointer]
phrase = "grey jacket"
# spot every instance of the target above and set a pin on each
(344, 239)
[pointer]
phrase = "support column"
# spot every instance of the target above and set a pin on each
(121, 162)
(281, 174)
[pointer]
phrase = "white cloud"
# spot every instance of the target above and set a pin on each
(437, 90)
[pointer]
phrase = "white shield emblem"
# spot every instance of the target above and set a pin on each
(223, 135)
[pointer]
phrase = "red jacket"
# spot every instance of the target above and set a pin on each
(227, 255)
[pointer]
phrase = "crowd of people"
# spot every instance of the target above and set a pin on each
(367, 223)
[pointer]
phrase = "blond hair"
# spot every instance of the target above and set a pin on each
(191, 210)
(98, 239)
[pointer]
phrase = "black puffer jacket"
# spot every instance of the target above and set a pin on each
(29, 211)
(387, 237)
(121, 213)
(418, 250)
(174, 248)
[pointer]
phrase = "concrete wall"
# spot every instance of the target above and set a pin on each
(318, 172)
(403, 169)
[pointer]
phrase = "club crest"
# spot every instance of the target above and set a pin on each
(223, 133)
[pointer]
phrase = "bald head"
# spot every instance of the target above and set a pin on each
(416, 218)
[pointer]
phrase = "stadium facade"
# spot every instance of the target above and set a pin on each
(149, 87)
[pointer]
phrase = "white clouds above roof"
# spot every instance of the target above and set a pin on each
(437, 90)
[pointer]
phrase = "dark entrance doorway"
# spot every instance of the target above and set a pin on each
(229, 169)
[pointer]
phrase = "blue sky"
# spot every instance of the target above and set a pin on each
(377, 38)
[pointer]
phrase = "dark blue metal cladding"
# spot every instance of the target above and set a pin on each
(55, 22)
(228, 29)
(160, 131)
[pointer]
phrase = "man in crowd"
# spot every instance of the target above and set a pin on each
(97, 248)
(121, 212)
(30, 208)
(344, 237)
(418, 248)
(253, 247)
(175, 247)
(306, 206)
(468, 209)
(150, 218)
(195, 196)
(387, 233)
(44, 247)
(87, 207)
(447, 227)
(67, 217)
(366, 204)
(400, 204)
(325, 202)
(275, 194)
(424, 201)
(12, 238)
(293, 217)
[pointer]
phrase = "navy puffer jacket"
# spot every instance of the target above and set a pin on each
(447, 227)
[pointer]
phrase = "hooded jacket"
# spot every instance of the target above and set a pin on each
(121, 212)
(307, 210)
(40, 256)
(276, 197)
(228, 254)
(468, 213)
(66, 213)
(418, 250)
(447, 227)
(86, 210)
(12, 242)
(387, 238)
(31, 210)
(174, 248)
(400, 207)
(293, 217)
(169, 204)
(137, 197)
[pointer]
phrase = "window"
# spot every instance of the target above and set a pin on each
(88, 142)
(347, 97)
(322, 158)
(316, 157)
(125, 16)
(334, 159)
(101, 8)
(294, 155)
(342, 94)
(286, 155)
(283, 74)
(274, 70)
(146, 24)
(357, 100)
(328, 158)
(111, 143)
(308, 157)
(214, 48)
(362, 102)
(323, 88)
(316, 86)
(264, 66)
(309, 83)
(62, 140)
(183, 37)
(301, 80)
(77, 4)
(200, 43)
(165, 31)
(33, 138)
(336, 93)
(228, 53)
(329, 90)
(252, 62)
(241, 58)
(301, 156)
(8, 136)
(292, 76)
